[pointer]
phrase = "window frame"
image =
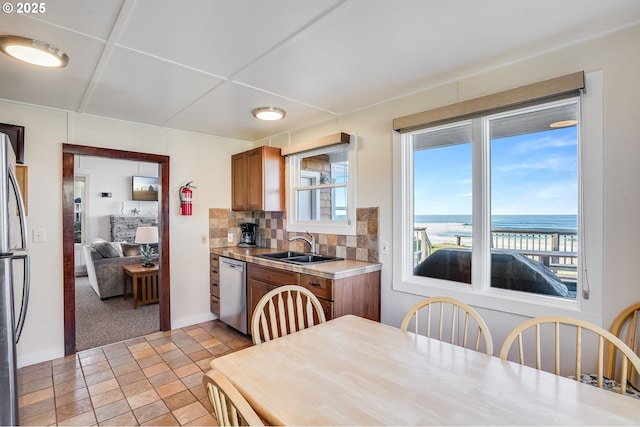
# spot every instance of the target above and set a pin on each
(292, 171)
(480, 293)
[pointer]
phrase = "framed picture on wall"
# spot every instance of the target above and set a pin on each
(16, 135)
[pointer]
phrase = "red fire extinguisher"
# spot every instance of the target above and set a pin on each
(185, 199)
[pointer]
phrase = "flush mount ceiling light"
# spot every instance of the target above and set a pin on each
(33, 51)
(563, 124)
(268, 113)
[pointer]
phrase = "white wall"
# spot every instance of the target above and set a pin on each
(113, 176)
(203, 159)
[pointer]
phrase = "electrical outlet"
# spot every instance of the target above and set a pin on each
(385, 248)
(203, 239)
(230, 237)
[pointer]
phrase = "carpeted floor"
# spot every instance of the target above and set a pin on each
(104, 322)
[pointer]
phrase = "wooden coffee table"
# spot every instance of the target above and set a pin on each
(144, 283)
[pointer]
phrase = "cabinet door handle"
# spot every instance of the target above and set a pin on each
(316, 284)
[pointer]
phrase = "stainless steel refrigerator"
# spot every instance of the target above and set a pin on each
(14, 266)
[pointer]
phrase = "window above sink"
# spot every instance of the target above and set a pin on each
(322, 188)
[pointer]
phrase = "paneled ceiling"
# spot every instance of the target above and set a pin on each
(203, 65)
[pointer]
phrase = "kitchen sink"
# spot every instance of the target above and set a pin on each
(310, 259)
(281, 255)
(298, 257)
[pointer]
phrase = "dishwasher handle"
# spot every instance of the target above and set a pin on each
(233, 264)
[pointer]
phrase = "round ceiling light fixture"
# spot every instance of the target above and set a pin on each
(33, 51)
(268, 113)
(563, 124)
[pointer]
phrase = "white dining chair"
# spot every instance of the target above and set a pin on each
(230, 408)
(548, 330)
(461, 318)
(285, 310)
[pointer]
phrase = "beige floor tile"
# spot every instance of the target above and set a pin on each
(42, 419)
(207, 420)
(142, 399)
(112, 410)
(151, 411)
(95, 368)
(187, 370)
(125, 368)
(126, 419)
(163, 378)
(69, 386)
(150, 361)
(106, 398)
(36, 396)
(131, 377)
(73, 409)
(37, 408)
(156, 369)
(72, 396)
(137, 388)
(68, 376)
(121, 360)
(179, 400)
(194, 380)
(190, 412)
(144, 353)
(163, 420)
(102, 387)
(171, 388)
(99, 377)
(86, 419)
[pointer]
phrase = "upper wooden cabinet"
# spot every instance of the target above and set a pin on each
(257, 180)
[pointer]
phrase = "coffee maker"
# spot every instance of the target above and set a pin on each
(248, 235)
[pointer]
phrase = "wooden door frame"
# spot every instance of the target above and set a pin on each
(69, 151)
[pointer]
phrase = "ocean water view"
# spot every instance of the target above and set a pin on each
(446, 228)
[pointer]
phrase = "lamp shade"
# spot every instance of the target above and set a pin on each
(147, 235)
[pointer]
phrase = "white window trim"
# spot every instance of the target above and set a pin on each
(591, 252)
(346, 227)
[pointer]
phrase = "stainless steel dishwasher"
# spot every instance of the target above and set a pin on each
(233, 293)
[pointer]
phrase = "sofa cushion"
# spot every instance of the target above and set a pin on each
(106, 249)
(130, 249)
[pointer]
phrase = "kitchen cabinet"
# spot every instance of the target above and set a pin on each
(257, 180)
(358, 294)
(214, 284)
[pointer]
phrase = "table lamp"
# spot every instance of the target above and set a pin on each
(146, 236)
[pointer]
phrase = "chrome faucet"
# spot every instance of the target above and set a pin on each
(311, 243)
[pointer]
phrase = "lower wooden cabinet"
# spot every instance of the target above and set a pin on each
(214, 284)
(359, 295)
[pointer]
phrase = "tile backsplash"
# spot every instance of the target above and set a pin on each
(271, 233)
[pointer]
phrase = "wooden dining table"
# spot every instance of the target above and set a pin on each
(353, 371)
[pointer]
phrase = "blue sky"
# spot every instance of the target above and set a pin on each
(533, 174)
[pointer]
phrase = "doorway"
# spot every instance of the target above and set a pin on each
(69, 151)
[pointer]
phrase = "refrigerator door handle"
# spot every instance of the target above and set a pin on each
(21, 211)
(26, 285)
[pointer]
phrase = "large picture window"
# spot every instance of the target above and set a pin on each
(531, 198)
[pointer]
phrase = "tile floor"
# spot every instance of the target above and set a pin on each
(152, 380)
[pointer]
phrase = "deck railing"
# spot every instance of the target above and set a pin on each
(556, 250)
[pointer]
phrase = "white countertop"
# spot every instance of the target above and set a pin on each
(330, 270)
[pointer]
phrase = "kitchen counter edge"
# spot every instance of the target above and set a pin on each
(328, 270)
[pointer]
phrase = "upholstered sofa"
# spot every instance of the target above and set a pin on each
(104, 265)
